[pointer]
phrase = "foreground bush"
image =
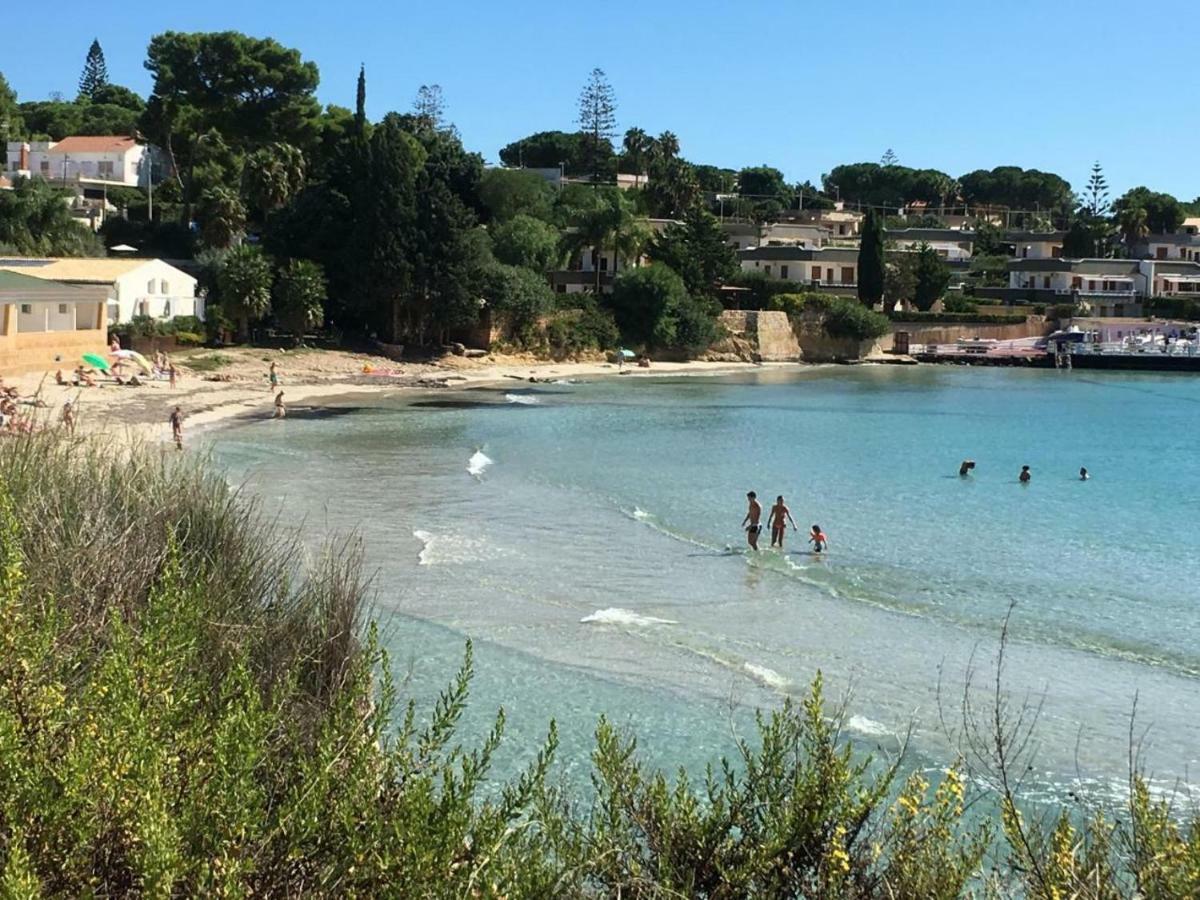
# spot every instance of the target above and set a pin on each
(839, 317)
(187, 709)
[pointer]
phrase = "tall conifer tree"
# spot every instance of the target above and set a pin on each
(95, 72)
(870, 260)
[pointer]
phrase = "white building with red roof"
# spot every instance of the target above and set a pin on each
(111, 159)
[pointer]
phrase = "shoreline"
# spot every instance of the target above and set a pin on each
(133, 415)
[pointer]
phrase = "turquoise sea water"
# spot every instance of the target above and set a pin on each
(585, 551)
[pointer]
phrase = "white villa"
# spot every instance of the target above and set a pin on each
(812, 266)
(136, 287)
(112, 159)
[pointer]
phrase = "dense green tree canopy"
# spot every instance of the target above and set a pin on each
(528, 242)
(253, 91)
(696, 250)
(1079, 241)
(509, 192)
(892, 186)
(11, 125)
(298, 297)
(521, 296)
(932, 276)
(652, 309)
(547, 149)
(1017, 188)
(1162, 212)
(35, 221)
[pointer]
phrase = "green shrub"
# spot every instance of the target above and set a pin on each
(572, 331)
(956, 304)
(189, 338)
(840, 317)
(207, 363)
(214, 717)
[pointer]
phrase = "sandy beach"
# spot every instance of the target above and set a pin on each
(214, 386)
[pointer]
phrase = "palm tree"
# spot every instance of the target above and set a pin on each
(1134, 224)
(637, 145)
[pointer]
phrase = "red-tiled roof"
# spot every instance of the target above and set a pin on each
(97, 144)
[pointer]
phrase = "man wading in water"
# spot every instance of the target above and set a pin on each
(778, 519)
(751, 522)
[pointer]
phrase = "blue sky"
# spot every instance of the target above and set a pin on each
(800, 85)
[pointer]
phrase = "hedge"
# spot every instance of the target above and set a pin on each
(957, 318)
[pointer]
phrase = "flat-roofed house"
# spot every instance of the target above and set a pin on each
(46, 325)
(135, 287)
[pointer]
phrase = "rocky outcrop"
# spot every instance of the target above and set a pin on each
(757, 336)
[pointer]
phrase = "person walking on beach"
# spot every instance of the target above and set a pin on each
(1025, 475)
(171, 374)
(177, 427)
(273, 377)
(817, 538)
(779, 517)
(68, 418)
(280, 409)
(752, 522)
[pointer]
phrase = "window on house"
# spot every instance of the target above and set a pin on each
(45, 167)
(1160, 252)
(104, 169)
(150, 286)
(62, 309)
(816, 273)
(767, 269)
(167, 310)
(847, 274)
(1056, 252)
(1076, 283)
(164, 287)
(783, 271)
(829, 275)
(1046, 282)
(1091, 284)
(27, 309)
(604, 264)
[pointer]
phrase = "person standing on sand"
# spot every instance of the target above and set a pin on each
(273, 376)
(171, 374)
(751, 523)
(280, 409)
(177, 428)
(68, 418)
(778, 519)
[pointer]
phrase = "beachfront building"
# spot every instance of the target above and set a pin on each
(133, 287)
(950, 244)
(1106, 287)
(840, 222)
(1180, 245)
(1036, 244)
(829, 268)
(46, 325)
(112, 159)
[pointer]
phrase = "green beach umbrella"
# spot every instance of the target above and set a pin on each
(96, 361)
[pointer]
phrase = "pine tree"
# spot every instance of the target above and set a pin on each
(870, 260)
(597, 119)
(890, 158)
(1095, 198)
(429, 105)
(95, 72)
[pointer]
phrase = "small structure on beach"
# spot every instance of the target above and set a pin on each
(45, 325)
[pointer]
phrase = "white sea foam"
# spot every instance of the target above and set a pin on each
(769, 677)
(863, 725)
(450, 549)
(478, 463)
(522, 399)
(615, 616)
(641, 515)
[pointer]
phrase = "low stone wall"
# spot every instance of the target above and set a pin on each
(759, 335)
(945, 333)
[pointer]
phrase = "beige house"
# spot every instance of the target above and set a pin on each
(820, 267)
(135, 287)
(46, 325)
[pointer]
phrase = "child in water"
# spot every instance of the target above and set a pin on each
(817, 538)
